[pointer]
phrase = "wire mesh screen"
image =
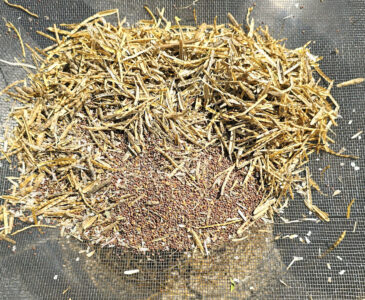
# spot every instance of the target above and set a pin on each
(46, 266)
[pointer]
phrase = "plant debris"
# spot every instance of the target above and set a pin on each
(351, 82)
(356, 135)
(21, 8)
(295, 259)
(149, 136)
(11, 26)
(348, 213)
(335, 244)
(336, 193)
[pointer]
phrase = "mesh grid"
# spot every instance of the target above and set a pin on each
(45, 266)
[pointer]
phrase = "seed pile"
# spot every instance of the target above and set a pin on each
(101, 92)
(150, 209)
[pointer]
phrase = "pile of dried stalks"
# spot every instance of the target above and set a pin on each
(194, 86)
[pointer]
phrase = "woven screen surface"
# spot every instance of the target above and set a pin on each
(46, 266)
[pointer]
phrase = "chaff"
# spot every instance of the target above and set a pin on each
(21, 8)
(11, 25)
(351, 82)
(192, 86)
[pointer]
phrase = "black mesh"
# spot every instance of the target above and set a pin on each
(45, 266)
